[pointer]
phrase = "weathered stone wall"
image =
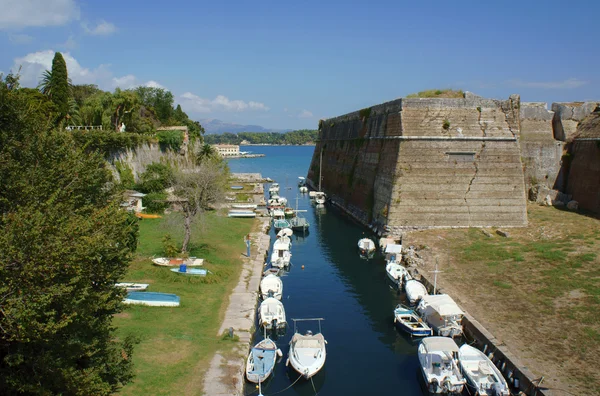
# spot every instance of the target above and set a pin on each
(422, 163)
(567, 116)
(584, 164)
(541, 153)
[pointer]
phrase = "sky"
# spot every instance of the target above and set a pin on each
(287, 64)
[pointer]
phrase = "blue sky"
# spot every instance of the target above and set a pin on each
(286, 64)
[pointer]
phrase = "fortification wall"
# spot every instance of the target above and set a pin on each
(567, 115)
(423, 163)
(541, 153)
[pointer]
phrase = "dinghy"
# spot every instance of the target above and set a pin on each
(437, 356)
(442, 314)
(272, 270)
(152, 299)
(271, 314)
(366, 247)
(133, 286)
(271, 286)
(190, 271)
(241, 214)
(415, 290)
(483, 378)
(407, 320)
(261, 360)
(320, 198)
(307, 352)
(244, 206)
(397, 274)
(172, 262)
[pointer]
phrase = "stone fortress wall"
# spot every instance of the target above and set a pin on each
(435, 162)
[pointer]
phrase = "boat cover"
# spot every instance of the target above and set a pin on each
(393, 248)
(285, 232)
(443, 304)
(432, 344)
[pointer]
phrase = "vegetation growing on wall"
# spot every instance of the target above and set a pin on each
(365, 114)
(446, 125)
(107, 141)
(170, 140)
(438, 93)
(125, 175)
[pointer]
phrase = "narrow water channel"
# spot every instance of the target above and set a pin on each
(366, 355)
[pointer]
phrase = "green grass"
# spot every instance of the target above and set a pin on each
(438, 93)
(178, 343)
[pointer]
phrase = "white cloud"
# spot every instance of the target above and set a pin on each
(34, 64)
(566, 84)
(154, 84)
(305, 114)
(195, 104)
(26, 13)
(103, 28)
(20, 38)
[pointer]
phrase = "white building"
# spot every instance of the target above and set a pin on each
(227, 150)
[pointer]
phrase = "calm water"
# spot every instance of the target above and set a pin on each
(366, 355)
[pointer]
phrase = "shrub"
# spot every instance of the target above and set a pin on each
(169, 246)
(365, 113)
(446, 125)
(155, 202)
(107, 142)
(125, 175)
(170, 140)
(155, 178)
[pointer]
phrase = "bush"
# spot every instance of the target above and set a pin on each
(107, 142)
(169, 246)
(155, 202)
(170, 140)
(125, 174)
(155, 178)
(446, 125)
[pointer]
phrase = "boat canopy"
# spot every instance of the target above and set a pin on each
(285, 232)
(432, 344)
(393, 248)
(443, 304)
(301, 178)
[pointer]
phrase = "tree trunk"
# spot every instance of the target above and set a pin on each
(187, 222)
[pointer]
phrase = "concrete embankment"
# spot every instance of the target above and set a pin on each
(512, 368)
(226, 371)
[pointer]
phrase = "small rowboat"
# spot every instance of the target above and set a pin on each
(175, 262)
(152, 299)
(133, 286)
(261, 360)
(415, 291)
(407, 320)
(147, 216)
(190, 271)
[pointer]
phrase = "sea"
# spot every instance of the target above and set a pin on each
(366, 354)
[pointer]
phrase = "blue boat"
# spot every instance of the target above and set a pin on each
(407, 320)
(190, 271)
(261, 360)
(152, 299)
(237, 187)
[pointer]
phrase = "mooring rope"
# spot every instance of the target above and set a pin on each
(283, 390)
(313, 385)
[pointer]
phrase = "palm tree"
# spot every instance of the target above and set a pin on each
(206, 152)
(45, 85)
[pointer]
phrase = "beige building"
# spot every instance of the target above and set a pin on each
(227, 150)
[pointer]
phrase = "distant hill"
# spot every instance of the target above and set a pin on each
(214, 126)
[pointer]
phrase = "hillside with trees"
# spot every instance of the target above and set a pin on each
(302, 136)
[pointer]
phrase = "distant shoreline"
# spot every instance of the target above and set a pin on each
(268, 144)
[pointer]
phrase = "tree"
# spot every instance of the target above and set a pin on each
(64, 243)
(56, 85)
(198, 188)
(207, 152)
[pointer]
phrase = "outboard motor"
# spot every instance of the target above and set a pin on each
(270, 293)
(274, 324)
(434, 386)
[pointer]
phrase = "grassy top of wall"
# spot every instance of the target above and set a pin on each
(438, 93)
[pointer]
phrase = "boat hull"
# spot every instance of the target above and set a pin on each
(152, 299)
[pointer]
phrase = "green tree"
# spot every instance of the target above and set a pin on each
(56, 85)
(64, 243)
(206, 152)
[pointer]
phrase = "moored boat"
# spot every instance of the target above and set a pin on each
(281, 255)
(415, 291)
(408, 321)
(397, 274)
(483, 378)
(303, 189)
(437, 357)
(307, 353)
(442, 314)
(271, 286)
(271, 314)
(301, 181)
(366, 247)
(261, 360)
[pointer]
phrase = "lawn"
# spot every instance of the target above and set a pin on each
(537, 290)
(178, 343)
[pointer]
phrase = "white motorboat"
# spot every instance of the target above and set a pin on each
(277, 202)
(301, 181)
(407, 320)
(244, 206)
(437, 356)
(176, 261)
(312, 194)
(303, 189)
(271, 314)
(320, 198)
(442, 314)
(397, 273)
(483, 378)
(366, 247)
(271, 286)
(261, 360)
(274, 189)
(415, 291)
(133, 286)
(307, 352)
(281, 255)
